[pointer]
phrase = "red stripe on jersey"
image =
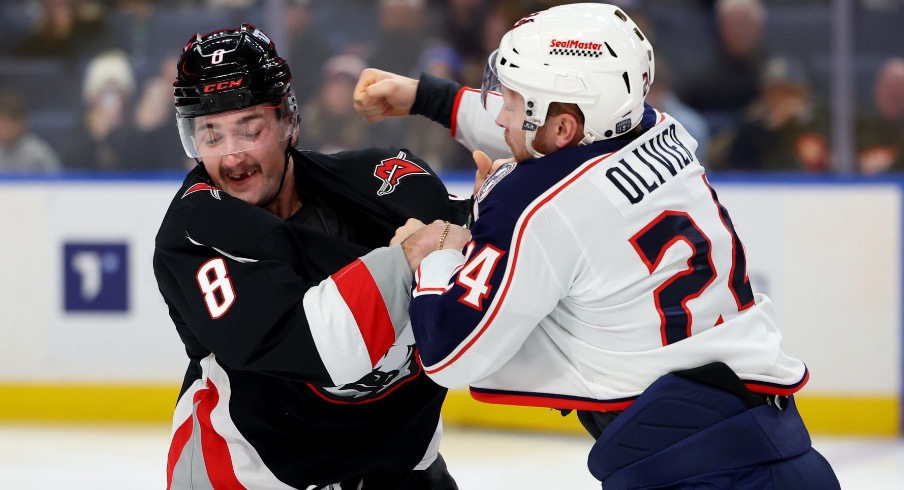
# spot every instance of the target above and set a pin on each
(778, 390)
(216, 452)
(180, 439)
(453, 124)
(550, 402)
(360, 292)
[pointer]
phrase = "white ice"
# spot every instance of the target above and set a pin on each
(64, 457)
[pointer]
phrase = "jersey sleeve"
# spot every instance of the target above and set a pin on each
(262, 294)
(475, 128)
(459, 109)
(471, 313)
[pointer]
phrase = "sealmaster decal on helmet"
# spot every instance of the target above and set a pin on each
(575, 44)
(573, 47)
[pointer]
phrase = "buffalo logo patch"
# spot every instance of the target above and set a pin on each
(391, 170)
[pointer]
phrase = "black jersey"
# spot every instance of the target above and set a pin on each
(302, 369)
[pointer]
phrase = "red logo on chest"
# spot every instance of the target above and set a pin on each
(391, 171)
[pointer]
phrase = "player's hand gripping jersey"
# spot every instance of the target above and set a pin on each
(593, 272)
(302, 365)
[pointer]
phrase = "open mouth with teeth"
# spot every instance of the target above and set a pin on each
(242, 176)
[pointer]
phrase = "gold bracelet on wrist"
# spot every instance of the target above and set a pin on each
(442, 238)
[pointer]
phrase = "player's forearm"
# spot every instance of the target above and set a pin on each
(358, 313)
(435, 99)
(442, 328)
(458, 108)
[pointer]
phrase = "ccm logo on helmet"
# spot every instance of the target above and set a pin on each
(216, 87)
(574, 44)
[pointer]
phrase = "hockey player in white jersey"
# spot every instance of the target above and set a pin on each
(603, 275)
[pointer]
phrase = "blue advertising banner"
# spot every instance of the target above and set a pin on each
(95, 277)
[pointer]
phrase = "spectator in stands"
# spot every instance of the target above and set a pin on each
(329, 120)
(155, 146)
(402, 35)
(307, 51)
(880, 132)
(69, 29)
(423, 136)
(663, 97)
(101, 139)
(236, 4)
(662, 94)
(20, 150)
(785, 129)
(462, 26)
(133, 28)
(496, 25)
(729, 82)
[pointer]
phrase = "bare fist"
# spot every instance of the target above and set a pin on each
(380, 94)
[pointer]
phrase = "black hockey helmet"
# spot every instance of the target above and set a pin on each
(227, 70)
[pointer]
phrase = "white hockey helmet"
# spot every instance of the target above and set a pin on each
(588, 54)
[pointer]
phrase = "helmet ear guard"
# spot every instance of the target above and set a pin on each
(291, 108)
(591, 55)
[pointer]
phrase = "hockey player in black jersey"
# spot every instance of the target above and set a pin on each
(273, 263)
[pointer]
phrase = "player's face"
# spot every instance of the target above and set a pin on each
(511, 118)
(244, 152)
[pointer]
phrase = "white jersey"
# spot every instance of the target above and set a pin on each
(591, 273)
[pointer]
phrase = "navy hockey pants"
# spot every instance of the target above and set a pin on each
(705, 433)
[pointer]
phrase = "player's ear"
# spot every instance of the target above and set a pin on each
(569, 130)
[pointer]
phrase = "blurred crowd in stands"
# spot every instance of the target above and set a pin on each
(87, 84)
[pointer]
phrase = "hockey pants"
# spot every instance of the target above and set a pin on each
(703, 429)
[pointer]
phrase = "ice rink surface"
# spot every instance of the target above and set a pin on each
(48, 457)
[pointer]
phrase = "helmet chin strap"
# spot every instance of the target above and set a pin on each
(530, 132)
(282, 180)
